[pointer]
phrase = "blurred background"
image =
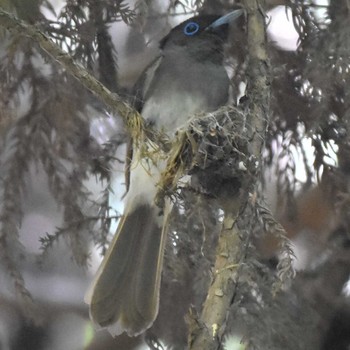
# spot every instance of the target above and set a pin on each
(62, 178)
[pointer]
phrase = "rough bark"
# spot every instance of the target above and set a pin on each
(207, 330)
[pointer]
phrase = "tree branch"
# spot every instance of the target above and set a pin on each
(258, 76)
(207, 331)
(132, 119)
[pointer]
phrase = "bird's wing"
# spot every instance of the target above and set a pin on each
(143, 83)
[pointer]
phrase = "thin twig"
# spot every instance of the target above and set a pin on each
(131, 117)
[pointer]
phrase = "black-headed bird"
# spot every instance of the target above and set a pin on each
(187, 78)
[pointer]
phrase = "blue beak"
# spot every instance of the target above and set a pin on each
(226, 19)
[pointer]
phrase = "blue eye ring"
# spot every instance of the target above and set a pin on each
(191, 28)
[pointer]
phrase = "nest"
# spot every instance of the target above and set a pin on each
(213, 150)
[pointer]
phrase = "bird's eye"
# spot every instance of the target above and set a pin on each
(191, 28)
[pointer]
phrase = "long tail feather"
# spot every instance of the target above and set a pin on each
(125, 293)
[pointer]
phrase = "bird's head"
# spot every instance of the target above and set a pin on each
(200, 32)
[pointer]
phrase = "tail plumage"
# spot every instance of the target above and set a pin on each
(124, 296)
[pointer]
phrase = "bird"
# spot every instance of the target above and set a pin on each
(188, 77)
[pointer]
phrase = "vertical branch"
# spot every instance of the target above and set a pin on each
(258, 83)
(206, 331)
(107, 58)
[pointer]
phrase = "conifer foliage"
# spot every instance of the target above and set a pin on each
(51, 117)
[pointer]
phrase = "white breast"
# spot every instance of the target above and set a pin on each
(177, 87)
(172, 112)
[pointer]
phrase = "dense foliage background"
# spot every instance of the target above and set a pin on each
(62, 158)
